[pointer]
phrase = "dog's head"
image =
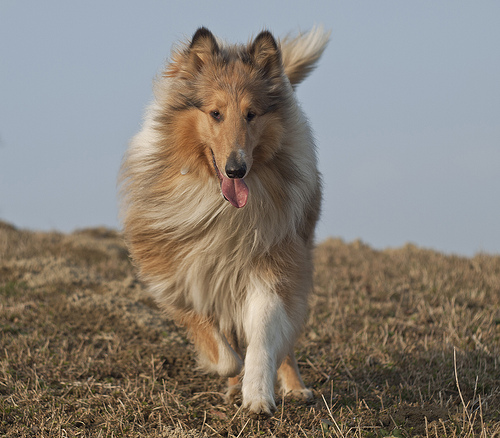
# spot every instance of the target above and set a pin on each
(238, 95)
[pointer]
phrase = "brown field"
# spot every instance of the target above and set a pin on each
(402, 343)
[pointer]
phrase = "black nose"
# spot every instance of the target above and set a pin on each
(235, 166)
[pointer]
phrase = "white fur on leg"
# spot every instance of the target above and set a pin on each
(269, 333)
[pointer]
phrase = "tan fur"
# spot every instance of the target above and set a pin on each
(290, 379)
(200, 330)
(210, 265)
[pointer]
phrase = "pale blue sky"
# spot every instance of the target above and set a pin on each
(405, 105)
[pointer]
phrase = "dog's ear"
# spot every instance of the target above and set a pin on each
(203, 47)
(188, 61)
(266, 54)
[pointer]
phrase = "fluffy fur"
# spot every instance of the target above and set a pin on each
(236, 269)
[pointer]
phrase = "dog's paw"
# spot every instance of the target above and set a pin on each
(301, 394)
(259, 409)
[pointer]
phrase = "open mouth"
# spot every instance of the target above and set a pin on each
(234, 190)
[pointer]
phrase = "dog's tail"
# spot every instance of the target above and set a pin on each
(301, 53)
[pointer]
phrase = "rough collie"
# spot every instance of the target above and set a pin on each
(220, 197)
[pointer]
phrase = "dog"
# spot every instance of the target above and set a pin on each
(220, 197)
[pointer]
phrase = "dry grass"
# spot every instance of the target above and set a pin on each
(400, 343)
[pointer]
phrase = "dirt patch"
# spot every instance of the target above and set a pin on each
(416, 419)
(84, 350)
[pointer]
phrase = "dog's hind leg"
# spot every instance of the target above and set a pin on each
(233, 383)
(215, 355)
(290, 380)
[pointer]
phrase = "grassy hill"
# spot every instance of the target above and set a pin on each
(401, 342)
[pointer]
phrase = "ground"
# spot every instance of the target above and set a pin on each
(401, 343)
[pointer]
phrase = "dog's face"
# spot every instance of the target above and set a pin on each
(238, 95)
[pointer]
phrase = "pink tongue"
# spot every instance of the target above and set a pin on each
(235, 191)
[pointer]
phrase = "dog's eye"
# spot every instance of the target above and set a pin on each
(250, 116)
(216, 115)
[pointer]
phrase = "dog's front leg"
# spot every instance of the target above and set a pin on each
(270, 333)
